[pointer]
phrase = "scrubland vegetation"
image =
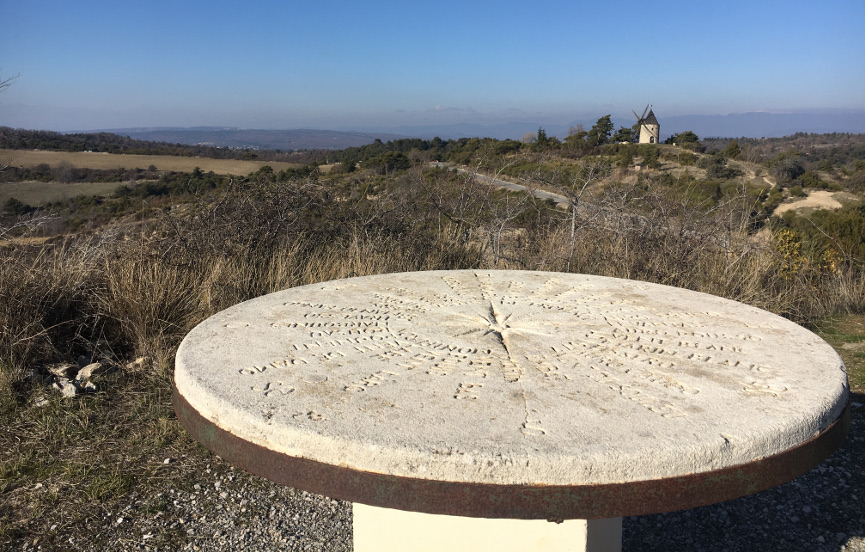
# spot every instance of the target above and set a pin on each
(129, 274)
(135, 270)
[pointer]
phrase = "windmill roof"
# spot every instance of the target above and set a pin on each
(650, 118)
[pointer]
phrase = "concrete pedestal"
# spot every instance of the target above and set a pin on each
(385, 530)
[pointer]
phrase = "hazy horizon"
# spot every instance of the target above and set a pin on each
(349, 66)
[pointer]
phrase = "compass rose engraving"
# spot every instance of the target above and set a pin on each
(503, 327)
(483, 340)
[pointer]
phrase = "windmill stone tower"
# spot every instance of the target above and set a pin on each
(649, 127)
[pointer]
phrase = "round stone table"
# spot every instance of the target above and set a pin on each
(453, 407)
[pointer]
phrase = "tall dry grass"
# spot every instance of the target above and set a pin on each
(660, 236)
(140, 294)
(59, 302)
(44, 297)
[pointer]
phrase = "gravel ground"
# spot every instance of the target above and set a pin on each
(823, 510)
(227, 509)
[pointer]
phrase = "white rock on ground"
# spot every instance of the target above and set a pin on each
(92, 370)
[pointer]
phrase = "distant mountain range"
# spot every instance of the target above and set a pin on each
(285, 140)
(763, 124)
(752, 125)
(735, 125)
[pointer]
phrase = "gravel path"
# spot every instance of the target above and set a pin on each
(227, 509)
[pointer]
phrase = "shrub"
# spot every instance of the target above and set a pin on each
(687, 159)
(17, 207)
(810, 179)
(717, 168)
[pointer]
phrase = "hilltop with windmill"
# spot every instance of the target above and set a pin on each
(649, 127)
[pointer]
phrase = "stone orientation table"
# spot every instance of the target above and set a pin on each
(472, 408)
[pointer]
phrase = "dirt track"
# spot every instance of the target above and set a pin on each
(816, 200)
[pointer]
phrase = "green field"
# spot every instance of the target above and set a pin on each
(39, 193)
(847, 335)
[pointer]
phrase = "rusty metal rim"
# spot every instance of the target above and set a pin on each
(515, 501)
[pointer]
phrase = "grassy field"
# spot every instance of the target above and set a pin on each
(31, 158)
(847, 335)
(39, 193)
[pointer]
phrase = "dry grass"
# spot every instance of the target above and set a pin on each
(74, 461)
(43, 298)
(847, 335)
(31, 158)
(140, 294)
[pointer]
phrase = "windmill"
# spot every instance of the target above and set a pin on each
(649, 127)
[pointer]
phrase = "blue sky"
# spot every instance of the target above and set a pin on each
(342, 65)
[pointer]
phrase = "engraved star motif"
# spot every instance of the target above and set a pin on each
(500, 326)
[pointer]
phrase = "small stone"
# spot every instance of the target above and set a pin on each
(167, 461)
(62, 369)
(136, 364)
(119, 520)
(91, 370)
(197, 487)
(821, 539)
(37, 486)
(53, 526)
(841, 536)
(67, 388)
(806, 509)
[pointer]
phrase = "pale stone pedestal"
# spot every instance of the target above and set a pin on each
(508, 397)
(386, 530)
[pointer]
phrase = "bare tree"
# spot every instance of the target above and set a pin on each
(572, 130)
(573, 183)
(504, 208)
(458, 196)
(6, 83)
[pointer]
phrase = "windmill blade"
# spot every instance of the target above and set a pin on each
(635, 115)
(644, 112)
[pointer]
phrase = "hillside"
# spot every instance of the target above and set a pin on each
(107, 284)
